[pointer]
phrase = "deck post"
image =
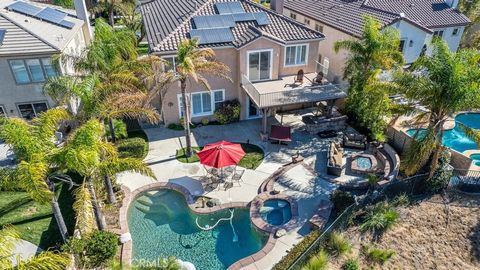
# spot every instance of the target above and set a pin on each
(264, 133)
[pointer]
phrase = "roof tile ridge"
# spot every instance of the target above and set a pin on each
(30, 32)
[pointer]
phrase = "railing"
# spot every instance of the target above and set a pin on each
(465, 180)
(293, 96)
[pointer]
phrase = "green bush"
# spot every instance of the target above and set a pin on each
(175, 126)
(351, 264)
(297, 250)
(133, 147)
(337, 244)
(341, 200)
(228, 112)
(120, 129)
(378, 255)
(401, 200)
(442, 174)
(318, 262)
(96, 249)
(204, 121)
(379, 218)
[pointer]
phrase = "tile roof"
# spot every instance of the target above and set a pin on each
(347, 15)
(167, 22)
(27, 35)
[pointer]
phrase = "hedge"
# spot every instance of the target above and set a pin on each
(133, 147)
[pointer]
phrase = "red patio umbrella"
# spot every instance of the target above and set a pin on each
(221, 154)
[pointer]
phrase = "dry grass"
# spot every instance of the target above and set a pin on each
(428, 235)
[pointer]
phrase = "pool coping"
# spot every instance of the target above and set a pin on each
(129, 196)
(261, 224)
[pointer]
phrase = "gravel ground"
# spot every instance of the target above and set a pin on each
(429, 235)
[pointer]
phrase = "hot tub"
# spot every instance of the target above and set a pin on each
(276, 211)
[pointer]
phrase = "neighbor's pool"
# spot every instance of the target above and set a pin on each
(162, 225)
(276, 211)
(476, 159)
(456, 138)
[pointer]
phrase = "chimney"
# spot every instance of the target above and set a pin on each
(82, 14)
(277, 5)
(452, 3)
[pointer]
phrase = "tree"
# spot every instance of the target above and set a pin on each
(195, 63)
(132, 19)
(471, 37)
(376, 50)
(109, 7)
(444, 84)
(86, 153)
(46, 260)
(33, 145)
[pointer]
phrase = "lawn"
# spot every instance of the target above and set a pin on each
(252, 159)
(35, 221)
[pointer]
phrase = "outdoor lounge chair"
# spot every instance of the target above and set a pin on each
(237, 175)
(298, 79)
(280, 134)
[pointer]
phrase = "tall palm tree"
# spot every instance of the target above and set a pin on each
(109, 7)
(33, 145)
(86, 153)
(46, 260)
(195, 63)
(444, 83)
(377, 49)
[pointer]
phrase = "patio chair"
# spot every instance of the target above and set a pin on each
(298, 79)
(280, 134)
(319, 78)
(237, 176)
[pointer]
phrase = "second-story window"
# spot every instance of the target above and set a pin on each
(32, 70)
(293, 15)
(170, 63)
(455, 32)
(296, 55)
(306, 21)
(402, 45)
(438, 33)
(319, 27)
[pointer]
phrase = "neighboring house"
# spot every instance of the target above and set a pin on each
(30, 35)
(416, 20)
(262, 48)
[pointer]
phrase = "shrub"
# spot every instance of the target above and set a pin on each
(401, 200)
(297, 250)
(442, 174)
(175, 126)
(228, 112)
(120, 129)
(337, 244)
(341, 200)
(96, 249)
(351, 264)
(133, 147)
(318, 262)
(204, 121)
(378, 255)
(380, 218)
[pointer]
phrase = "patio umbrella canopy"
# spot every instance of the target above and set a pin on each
(221, 154)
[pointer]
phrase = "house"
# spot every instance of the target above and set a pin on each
(416, 20)
(30, 35)
(264, 51)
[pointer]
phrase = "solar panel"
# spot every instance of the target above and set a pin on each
(213, 21)
(229, 7)
(67, 24)
(2, 35)
(243, 17)
(51, 15)
(209, 36)
(24, 8)
(262, 18)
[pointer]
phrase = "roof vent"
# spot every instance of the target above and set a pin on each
(402, 15)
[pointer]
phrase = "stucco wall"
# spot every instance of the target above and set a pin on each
(414, 38)
(452, 41)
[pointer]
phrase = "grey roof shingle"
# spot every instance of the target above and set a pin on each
(167, 22)
(347, 15)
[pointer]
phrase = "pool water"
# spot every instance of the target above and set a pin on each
(364, 163)
(455, 138)
(276, 211)
(476, 159)
(162, 225)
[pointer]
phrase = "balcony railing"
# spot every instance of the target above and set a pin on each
(278, 93)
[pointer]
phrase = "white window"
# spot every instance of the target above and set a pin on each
(2, 112)
(296, 55)
(30, 110)
(401, 47)
(455, 32)
(203, 103)
(319, 27)
(32, 70)
(170, 63)
(438, 33)
(293, 15)
(306, 21)
(326, 65)
(259, 65)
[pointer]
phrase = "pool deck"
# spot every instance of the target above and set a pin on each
(302, 183)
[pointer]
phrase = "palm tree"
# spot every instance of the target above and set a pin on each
(33, 145)
(376, 50)
(132, 19)
(109, 7)
(444, 83)
(86, 153)
(195, 63)
(46, 260)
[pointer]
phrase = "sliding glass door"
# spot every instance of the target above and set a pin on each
(259, 65)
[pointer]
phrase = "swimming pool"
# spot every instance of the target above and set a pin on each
(162, 225)
(276, 211)
(455, 138)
